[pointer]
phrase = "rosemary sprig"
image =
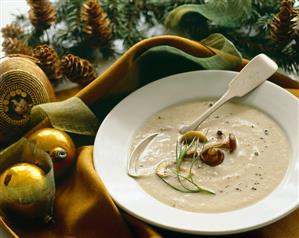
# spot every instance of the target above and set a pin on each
(181, 151)
(194, 158)
(197, 190)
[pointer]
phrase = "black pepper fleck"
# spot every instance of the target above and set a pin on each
(159, 117)
(216, 116)
(253, 188)
(256, 153)
(266, 132)
(219, 133)
(210, 104)
(252, 126)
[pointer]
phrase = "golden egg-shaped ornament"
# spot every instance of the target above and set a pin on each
(25, 191)
(22, 85)
(60, 147)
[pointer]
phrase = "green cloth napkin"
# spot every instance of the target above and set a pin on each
(154, 63)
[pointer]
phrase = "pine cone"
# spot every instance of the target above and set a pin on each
(15, 46)
(283, 26)
(48, 61)
(41, 14)
(77, 70)
(11, 31)
(96, 24)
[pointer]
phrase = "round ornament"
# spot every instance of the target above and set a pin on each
(24, 191)
(58, 145)
(22, 85)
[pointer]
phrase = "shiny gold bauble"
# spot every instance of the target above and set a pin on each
(60, 147)
(22, 85)
(23, 188)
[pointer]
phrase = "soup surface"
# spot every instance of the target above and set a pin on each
(247, 175)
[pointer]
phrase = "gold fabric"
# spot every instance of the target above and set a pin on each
(83, 208)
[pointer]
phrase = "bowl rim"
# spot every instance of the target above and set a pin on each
(114, 183)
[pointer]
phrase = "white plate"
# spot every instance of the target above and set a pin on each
(114, 138)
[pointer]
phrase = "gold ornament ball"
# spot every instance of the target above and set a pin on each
(23, 187)
(58, 145)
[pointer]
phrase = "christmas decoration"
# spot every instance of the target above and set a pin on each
(15, 46)
(22, 85)
(60, 147)
(26, 183)
(96, 24)
(77, 70)
(93, 29)
(255, 27)
(283, 26)
(18, 177)
(41, 14)
(11, 31)
(48, 61)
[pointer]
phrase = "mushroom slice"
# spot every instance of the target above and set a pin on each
(212, 156)
(190, 136)
(229, 144)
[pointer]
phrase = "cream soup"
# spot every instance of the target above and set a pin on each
(246, 176)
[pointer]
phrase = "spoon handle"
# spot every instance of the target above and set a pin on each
(227, 96)
(252, 75)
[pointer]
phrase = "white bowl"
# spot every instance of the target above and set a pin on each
(114, 137)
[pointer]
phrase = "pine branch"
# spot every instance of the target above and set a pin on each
(133, 34)
(130, 20)
(115, 11)
(69, 29)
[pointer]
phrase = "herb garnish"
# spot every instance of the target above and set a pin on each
(186, 183)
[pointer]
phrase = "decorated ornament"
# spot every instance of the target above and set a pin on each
(77, 70)
(58, 145)
(27, 187)
(18, 183)
(22, 85)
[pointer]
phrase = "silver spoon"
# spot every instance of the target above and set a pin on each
(252, 75)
